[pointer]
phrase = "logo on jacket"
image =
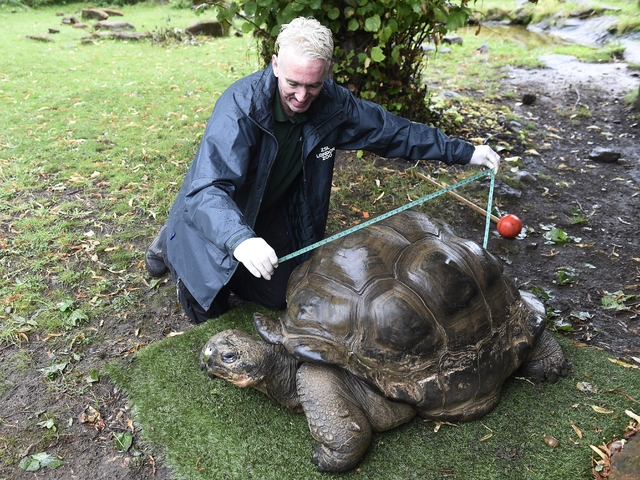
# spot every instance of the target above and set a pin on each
(326, 153)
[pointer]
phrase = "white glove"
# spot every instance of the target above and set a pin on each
(484, 155)
(257, 256)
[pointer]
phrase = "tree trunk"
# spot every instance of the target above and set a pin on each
(636, 104)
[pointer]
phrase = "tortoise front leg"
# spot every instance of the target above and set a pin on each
(335, 418)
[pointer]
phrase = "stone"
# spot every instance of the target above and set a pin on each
(114, 26)
(452, 39)
(524, 176)
(94, 13)
(603, 154)
(529, 98)
(449, 94)
(70, 20)
(625, 465)
(40, 38)
(113, 13)
(484, 48)
(209, 27)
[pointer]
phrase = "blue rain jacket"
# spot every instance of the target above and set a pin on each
(217, 205)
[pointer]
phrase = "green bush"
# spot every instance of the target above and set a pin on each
(378, 44)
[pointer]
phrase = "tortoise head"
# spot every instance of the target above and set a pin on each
(235, 356)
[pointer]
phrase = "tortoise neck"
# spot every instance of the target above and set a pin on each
(280, 381)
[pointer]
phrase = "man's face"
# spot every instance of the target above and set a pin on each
(300, 80)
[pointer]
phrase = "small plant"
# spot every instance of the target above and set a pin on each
(577, 215)
(33, 463)
(617, 301)
(73, 316)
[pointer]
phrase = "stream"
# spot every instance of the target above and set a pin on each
(592, 32)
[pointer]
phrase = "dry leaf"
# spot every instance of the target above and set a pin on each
(603, 455)
(633, 415)
(622, 364)
(577, 430)
(600, 409)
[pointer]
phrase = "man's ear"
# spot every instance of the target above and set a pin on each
(330, 69)
(274, 64)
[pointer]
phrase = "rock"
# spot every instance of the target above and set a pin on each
(625, 464)
(603, 154)
(40, 38)
(59, 14)
(54, 30)
(514, 126)
(112, 13)
(529, 98)
(80, 25)
(503, 190)
(114, 26)
(524, 176)
(116, 36)
(449, 94)
(209, 27)
(70, 20)
(452, 39)
(94, 13)
(444, 50)
(484, 48)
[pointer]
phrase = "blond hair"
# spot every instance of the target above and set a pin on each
(307, 37)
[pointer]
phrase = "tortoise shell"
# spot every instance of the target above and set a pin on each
(426, 317)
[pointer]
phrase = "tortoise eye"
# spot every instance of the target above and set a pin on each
(229, 357)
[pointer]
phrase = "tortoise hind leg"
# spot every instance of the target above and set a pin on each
(339, 425)
(547, 362)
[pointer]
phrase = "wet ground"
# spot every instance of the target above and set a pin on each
(577, 107)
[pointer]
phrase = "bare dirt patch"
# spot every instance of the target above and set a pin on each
(594, 203)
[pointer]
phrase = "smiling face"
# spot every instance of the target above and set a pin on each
(300, 80)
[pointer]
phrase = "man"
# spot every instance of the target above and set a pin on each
(259, 185)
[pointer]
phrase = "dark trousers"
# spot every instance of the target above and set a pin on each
(272, 227)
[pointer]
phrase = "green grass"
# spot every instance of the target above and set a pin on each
(204, 428)
(94, 142)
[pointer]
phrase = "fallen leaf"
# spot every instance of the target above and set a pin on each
(600, 409)
(577, 430)
(623, 364)
(603, 455)
(633, 415)
(585, 387)
(90, 415)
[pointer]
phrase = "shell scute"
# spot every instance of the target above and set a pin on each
(426, 317)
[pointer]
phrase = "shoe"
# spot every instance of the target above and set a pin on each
(153, 258)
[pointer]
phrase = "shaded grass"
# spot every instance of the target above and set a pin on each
(205, 428)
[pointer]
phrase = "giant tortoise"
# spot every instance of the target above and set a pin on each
(398, 318)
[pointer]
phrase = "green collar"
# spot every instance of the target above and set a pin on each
(281, 116)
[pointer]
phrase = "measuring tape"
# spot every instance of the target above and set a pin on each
(401, 209)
